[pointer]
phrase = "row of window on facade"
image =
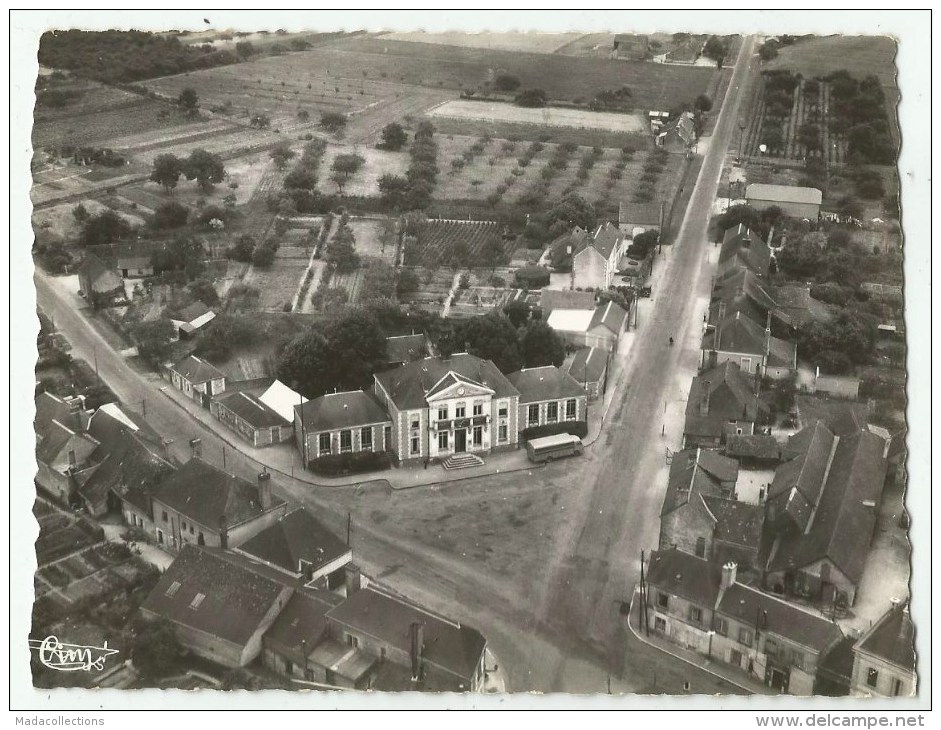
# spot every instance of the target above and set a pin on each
(325, 443)
(460, 411)
(552, 412)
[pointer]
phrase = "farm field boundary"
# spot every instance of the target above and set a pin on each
(547, 116)
(541, 132)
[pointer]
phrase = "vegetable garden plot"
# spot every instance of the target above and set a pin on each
(461, 243)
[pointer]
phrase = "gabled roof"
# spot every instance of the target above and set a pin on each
(798, 483)
(639, 214)
(742, 282)
(303, 622)
(845, 513)
(452, 379)
(609, 316)
(205, 494)
(739, 242)
(405, 348)
(755, 446)
(736, 334)
(737, 522)
(111, 420)
(783, 193)
(335, 411)
(377, 614)
(840, 416)
(748, 605)
(684, 575)
(683, 126)
(197, 370)
(194, 311)
(606, 238)
(782, 353)
(60, 439)
(281, 399)
(250, 409)
(571, 320)
(295, 537)
(235, 598)
(49, 408)
(892, 638)
(588, 365)
(128, 465)
(545, 383)
(103, 279)
(552, 299)
(408, 385)
(696, 472)
(730, 394)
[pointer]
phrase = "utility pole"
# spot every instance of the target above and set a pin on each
(143, 408)
(223, 458)
(97, 377)
(349, 527)
(644, 619)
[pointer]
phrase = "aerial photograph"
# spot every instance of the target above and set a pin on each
(456, 362)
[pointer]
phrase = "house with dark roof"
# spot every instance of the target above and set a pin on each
(443, 655)
(742, 248)
(250, 418)
(64, 450)
(821, 512)
(442, 407)
(99, 283)
(219, 607)
(679, 136)
(550, 397)
(193, 319)
(589, 368)
(703, 606)
(758, 450)
(552, 299)
(129, 457)
(634, 218)
(595, 264)
(402, 349)
(795, 201)
(197, 379)
(203, 505)
(884, 656)
(743, 341)
(341, 423)
(700, 513)
(721, 403)
(301, 546)
(741, 290)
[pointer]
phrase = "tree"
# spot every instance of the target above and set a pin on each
(153, 340)
(188, 100)
(506, 82)
(492, 337)
(851, 333)
(850, 206)
(341, 251)
(205, 168)
(357, 347)
(105, 227)
(768, 50)
(263, 256)
(333, 122)
(167, 171)
(406, 284)
(242, 249)
(244, 50)
(492, 252)
(531, 98)
(519, 312)
(532, 277)
(183, 253)
(202, 290)
(339, 180)
(347, 164)
(393, 188)
(379, 281)
(540, 345)
(304, 363)
(573, 210)
(259, 121)
(394, 137)
(155, 650)
(703, 103)
(802, 257)
(170, 215)
(714, 49)
(80, 213)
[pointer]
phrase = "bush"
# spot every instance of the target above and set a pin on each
(263, 256)
(532, 277)
(575, 428)
(170, 215)
(355, 462)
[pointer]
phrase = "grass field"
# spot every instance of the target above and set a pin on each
(653, 86)
(508, 113)
(524, 42)
(366, 181)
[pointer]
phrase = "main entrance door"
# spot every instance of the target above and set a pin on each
(460, 440)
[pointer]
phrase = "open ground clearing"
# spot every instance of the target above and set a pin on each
(365, 182)
(552, 117)
(524, 42)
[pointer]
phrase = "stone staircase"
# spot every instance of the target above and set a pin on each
(462, 461)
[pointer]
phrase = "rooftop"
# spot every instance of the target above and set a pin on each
(302, 624)
(783, 193)
(684, 575)
(545, 383)
(335, 411)
(296, 538)
(571, 320)
(250, 409)
(729, 394)
(197, 370)
(552, 299)
(588, 365)
(608, 315)
(281, 399)
(892, 638)
(405, 348)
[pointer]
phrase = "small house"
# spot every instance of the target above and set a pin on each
(589, 367)
(631, 47)
(193, 319)
(197, 379)
(884, 656)
(251, 419)
(722, 402)
(679, 136)
(98, 283)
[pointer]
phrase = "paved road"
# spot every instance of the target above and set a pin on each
(564, 634)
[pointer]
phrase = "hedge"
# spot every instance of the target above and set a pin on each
(532, 277)
(576, 428)
(354, 462)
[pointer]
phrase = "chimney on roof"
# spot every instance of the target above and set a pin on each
(704, 399)
(264, 490)
(196, 448)
(729, 573)
(416, 649)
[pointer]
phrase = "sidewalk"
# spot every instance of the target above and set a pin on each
(283, 459)
(712, 666)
